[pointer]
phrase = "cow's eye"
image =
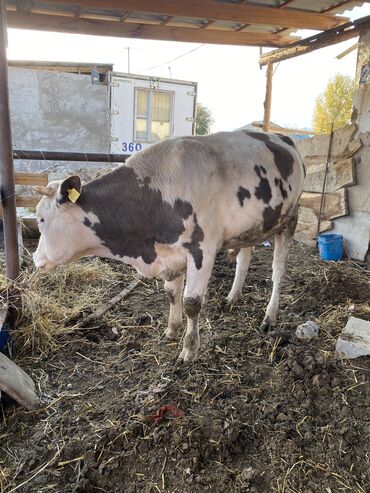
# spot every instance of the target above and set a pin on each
(42, 220)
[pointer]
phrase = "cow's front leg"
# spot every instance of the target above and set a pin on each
(174, 292)
(196, 285)
(243, 260)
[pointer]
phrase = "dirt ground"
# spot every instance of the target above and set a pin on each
(261, 413)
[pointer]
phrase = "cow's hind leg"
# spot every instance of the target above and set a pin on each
(196, 285)
(282, 243)
(242, 265)
(174, 292)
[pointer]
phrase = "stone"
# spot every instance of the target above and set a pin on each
(354, 341)
(308, 330)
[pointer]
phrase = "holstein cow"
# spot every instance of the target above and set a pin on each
(172, 207)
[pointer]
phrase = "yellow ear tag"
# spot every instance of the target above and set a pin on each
(73, 195)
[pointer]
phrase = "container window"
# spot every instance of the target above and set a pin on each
(153, 115)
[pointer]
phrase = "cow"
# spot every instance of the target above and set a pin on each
(170, 208)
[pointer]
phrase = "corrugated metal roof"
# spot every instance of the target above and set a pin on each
(243, 22)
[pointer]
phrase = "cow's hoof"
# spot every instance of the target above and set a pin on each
(232, 300)
(228, 304)
(173, 333)
(170, 337)
(186, 357)
(267, 325)
(167, 340)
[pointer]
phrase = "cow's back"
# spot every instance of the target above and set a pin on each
(235, 181)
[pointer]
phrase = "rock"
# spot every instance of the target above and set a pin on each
(354, 340)
(308, 330)
(247, 474)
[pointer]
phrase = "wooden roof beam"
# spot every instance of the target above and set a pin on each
(43, 22)
(328, 9)
(222, 11)
(321, 40)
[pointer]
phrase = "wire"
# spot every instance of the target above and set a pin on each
(173, 59)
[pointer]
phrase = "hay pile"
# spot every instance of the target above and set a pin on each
(52, 302)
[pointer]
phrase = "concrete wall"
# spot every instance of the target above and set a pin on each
(60, 112)
(355, 227)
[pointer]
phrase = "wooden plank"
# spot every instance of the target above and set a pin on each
(335, 203)
(339, 175)
(320, 40)
(16, 383)
(306, 215)
(278, 129)
(42, 22)
(31, 178)
(109, 304)
(27, 200)
(306, 232)
(344, 145)
(24, 201)
(221, 11)
(268, 98)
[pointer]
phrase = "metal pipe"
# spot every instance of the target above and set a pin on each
(324, 182)
(6, 161)
(69, 156)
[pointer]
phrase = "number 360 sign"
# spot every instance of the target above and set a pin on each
(131, 147)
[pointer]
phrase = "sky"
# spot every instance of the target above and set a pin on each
(230, 81)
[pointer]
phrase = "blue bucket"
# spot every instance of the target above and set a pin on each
(331, 247)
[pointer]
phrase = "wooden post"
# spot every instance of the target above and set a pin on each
(6, 160)
(267, 103)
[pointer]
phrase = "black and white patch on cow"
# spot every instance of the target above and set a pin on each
(172, 207)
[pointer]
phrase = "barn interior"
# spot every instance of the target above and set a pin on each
(260, 413)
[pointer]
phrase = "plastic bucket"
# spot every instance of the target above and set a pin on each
(331, 247)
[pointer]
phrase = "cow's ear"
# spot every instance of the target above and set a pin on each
(70, 190)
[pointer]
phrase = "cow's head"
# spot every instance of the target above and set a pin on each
(60, 219)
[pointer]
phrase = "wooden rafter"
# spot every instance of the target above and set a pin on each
(211, 10)
(338, 4)
(321, 40)
(43, 22)
(324, 11)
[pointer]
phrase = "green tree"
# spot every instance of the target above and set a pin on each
(334, 105)
(204, 120)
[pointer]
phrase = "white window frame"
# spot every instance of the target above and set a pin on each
(149, 114)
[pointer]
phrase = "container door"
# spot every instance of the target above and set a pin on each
(122, 115)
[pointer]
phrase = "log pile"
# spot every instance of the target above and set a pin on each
(340, 175)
